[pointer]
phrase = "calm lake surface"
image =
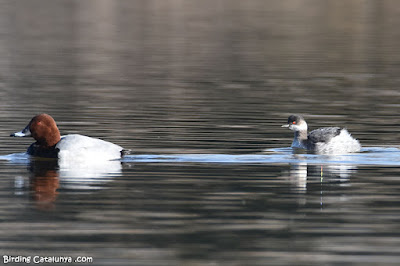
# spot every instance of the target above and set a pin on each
(198, 91)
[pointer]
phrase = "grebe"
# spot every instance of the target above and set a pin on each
(328, 140)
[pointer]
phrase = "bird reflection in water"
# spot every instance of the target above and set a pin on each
(303, 170)
(48, 175)
(306, 177)
(44, 182)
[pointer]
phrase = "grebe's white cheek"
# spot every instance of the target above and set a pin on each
(298, 127)
(302, 126)
(294, 127)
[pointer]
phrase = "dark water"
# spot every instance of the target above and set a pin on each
(198, 90)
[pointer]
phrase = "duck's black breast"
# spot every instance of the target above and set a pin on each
(323, 134)
(39, 151)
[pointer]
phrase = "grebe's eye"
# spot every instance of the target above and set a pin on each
(294, 122)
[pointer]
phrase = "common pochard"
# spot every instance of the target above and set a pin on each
(50, 144)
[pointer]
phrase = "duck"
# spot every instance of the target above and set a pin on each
(50, 144)
(328, 140)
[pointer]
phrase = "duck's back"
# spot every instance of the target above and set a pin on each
(79, 147)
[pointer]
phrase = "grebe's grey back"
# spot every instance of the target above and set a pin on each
(328, 140)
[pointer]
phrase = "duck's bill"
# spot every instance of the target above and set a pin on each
(23, 133)
(287, 125)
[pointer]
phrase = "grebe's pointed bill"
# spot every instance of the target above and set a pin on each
(286, 125)
(23, 133)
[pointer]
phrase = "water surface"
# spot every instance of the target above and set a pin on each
(198, 91)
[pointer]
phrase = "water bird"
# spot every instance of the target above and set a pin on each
(74, 147)
(328, 140)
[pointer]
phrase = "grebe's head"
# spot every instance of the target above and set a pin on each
(296, 123)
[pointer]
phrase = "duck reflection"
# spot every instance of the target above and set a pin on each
(44, 182)
(47, 176)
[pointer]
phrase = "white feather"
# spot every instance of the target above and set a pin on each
(341, 144)
(78, 148)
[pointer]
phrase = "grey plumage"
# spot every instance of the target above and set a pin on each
(329, 140)
(323, 134)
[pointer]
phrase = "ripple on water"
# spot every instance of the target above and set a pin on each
(368, 156)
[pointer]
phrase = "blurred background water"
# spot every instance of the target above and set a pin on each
(212, 78)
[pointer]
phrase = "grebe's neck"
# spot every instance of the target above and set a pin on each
(300, 139)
